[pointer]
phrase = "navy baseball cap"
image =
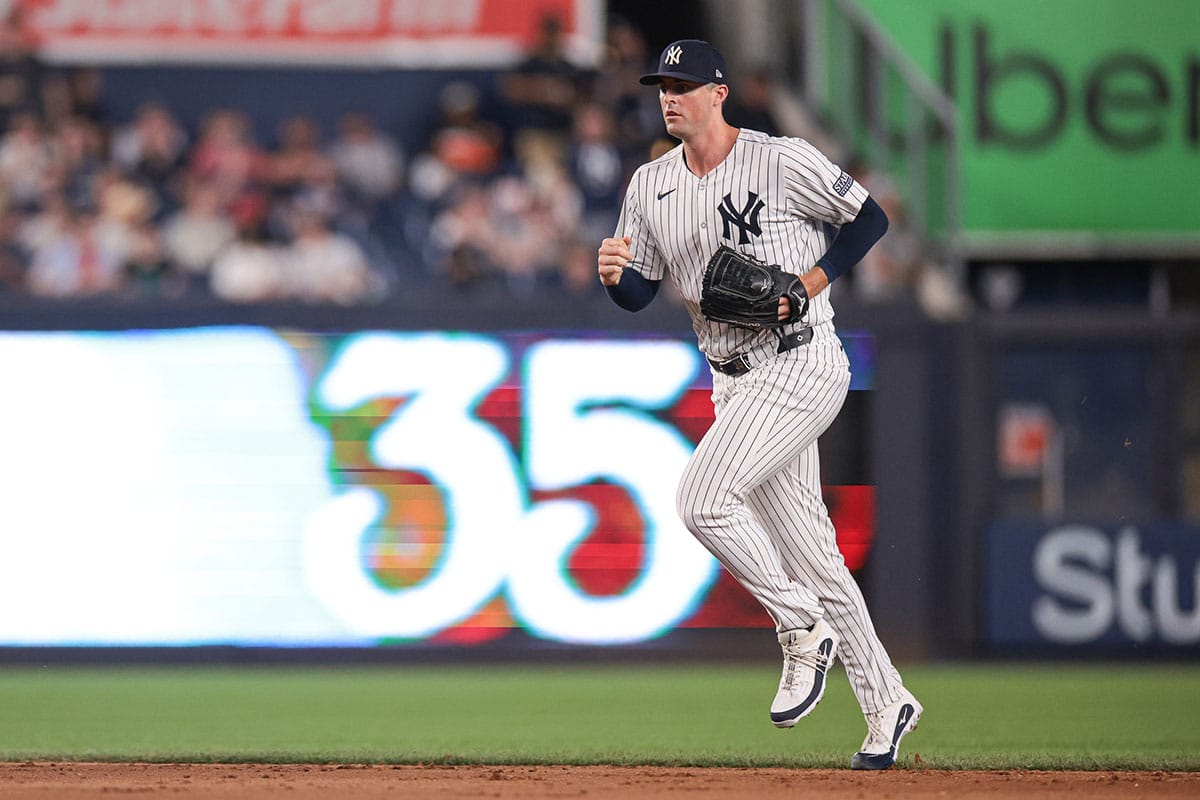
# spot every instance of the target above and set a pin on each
(689, 60)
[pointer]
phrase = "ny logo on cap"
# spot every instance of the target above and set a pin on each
(673, 55)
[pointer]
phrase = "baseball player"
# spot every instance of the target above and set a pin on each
(751, 492)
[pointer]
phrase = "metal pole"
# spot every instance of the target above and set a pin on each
(916, 158)
(813, 29)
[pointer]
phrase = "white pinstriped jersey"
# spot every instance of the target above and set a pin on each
(751, 492)
(770, 198)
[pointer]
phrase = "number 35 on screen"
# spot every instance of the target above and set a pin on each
(587, 415)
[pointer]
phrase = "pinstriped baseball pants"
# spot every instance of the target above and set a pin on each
(751, 494)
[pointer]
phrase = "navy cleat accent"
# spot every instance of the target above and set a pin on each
(807, 656)
(885, 729)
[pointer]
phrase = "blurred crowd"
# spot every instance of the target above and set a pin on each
(513, 203)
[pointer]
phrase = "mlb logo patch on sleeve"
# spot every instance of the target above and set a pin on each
(843, 184)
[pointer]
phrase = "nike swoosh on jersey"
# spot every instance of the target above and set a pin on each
(661, 195)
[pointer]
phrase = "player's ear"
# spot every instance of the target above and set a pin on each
(720, 92)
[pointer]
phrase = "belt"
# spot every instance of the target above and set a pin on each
(741, 364)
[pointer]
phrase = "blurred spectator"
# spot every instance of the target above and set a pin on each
(634, 109)
(511, 232)
(507, 235)
(750, 103)
(228, 156)
(125, 225)
(597, 169)
(460, 238)
(74, 257)
(577, 276)
(523, 246)
(897, 268)
(20, 69)
(151, 148)
(194, 235)
(87, 94)
(323, 266)
(75, 92)
(299, 161)
(465, 141)
(78, 161)
(369, 164)
(321, 195)
(249, 269)
(49, 222)
(25, 160)
(13, 256)
(888, 271)
(545, 86)
(464, 145)
(148, 273)
(125, 229)
(558, 201)
(299, 172)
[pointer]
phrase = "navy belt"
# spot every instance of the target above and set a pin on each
(740, 364)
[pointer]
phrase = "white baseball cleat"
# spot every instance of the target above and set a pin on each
(807, 656)
(885, 729)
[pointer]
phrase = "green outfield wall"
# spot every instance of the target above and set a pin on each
(1076, 116)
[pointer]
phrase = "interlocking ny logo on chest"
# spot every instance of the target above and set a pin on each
(744, 219)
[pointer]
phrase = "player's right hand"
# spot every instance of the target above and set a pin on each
(614, 256)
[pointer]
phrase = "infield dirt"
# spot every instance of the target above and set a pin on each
(72, 781)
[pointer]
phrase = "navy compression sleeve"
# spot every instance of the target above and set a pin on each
(854, 240)
(634, 292)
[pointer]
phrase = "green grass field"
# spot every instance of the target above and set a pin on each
(1008, 716)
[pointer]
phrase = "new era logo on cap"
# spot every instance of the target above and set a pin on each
(689, 60)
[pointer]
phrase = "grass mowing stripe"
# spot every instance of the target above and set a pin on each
(977, 716)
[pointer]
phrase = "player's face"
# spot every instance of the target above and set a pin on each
(687, 106)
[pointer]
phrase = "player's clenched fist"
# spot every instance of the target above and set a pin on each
(614, 255)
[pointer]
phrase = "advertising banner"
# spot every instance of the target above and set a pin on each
(252, 486)
(1077, 587)
(1079, 120)
(360, 33)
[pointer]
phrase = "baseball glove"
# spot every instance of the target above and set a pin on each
(740, 290)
